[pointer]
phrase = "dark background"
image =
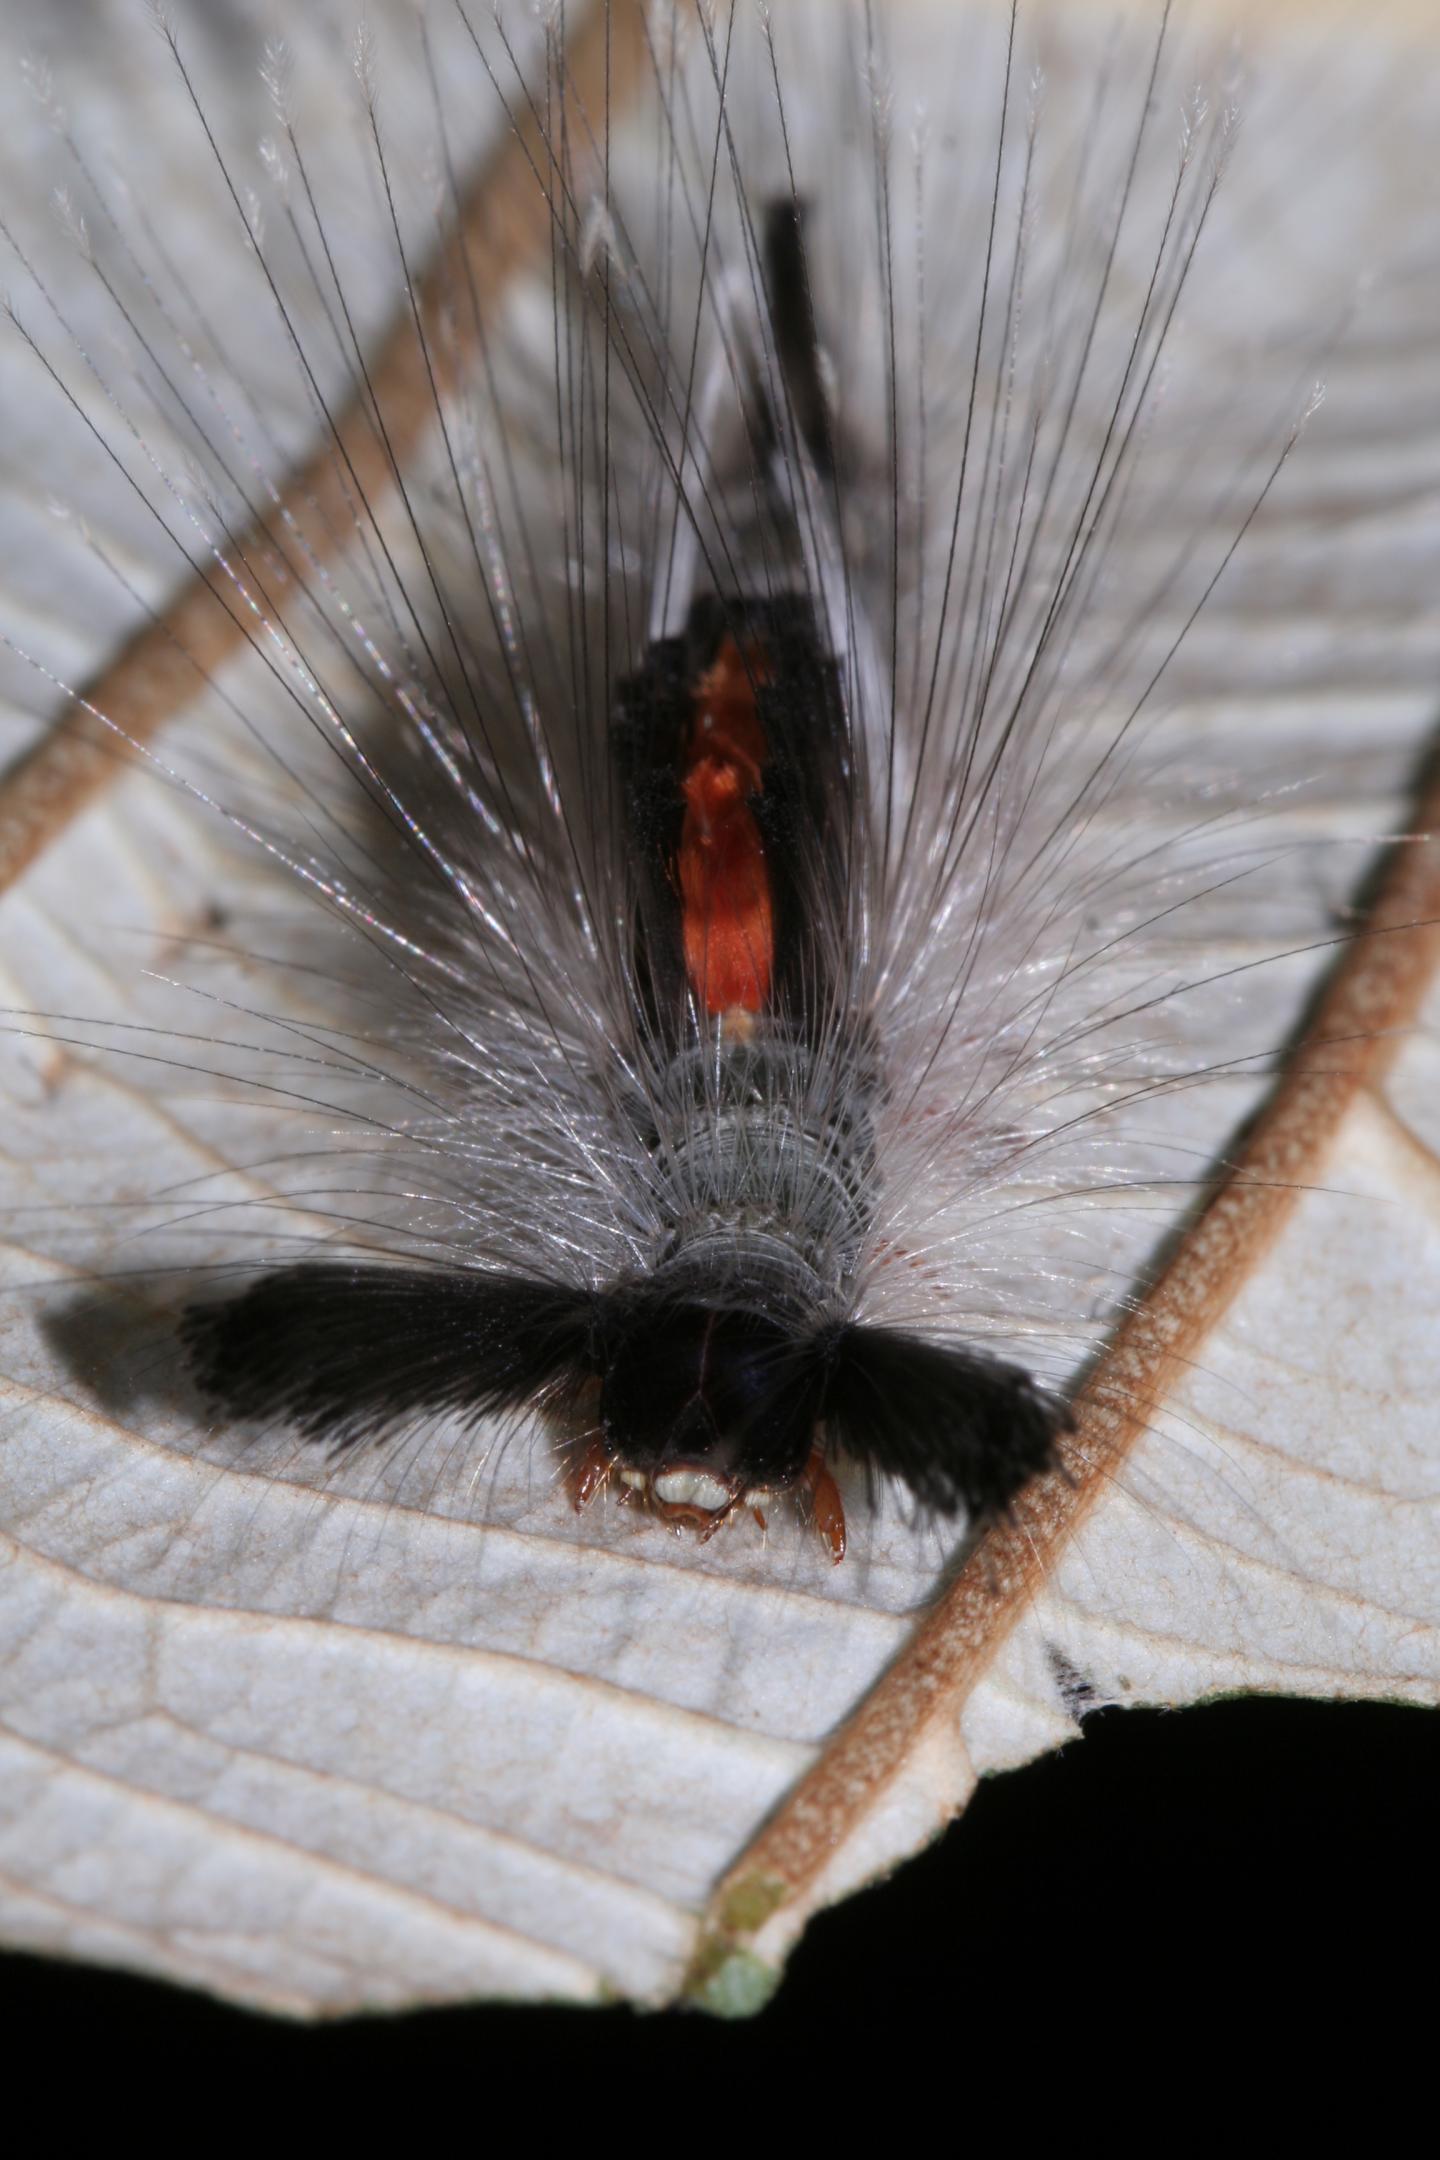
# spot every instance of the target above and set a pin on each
(1245, 1889)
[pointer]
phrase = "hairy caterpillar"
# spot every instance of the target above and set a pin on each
(727, 880)
(896, 411)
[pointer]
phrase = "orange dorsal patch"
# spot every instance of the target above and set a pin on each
(725, 895)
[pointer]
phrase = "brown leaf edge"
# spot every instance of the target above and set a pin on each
(503, 222)
(1360, 1019)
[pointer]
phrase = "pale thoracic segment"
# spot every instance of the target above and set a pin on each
(765, 1151)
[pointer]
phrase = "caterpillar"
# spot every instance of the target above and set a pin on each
(720, 765)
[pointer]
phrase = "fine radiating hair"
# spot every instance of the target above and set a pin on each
(722, 748)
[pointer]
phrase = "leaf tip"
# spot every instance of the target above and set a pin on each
(730, 1983)
(725, 1979)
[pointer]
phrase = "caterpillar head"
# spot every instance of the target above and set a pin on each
(702, 1407)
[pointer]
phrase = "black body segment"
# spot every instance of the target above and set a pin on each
(729, 1390)
(962, 1430)
(792, 320)
(346, 1352)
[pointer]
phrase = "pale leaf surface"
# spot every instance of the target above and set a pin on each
(409, 1729)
